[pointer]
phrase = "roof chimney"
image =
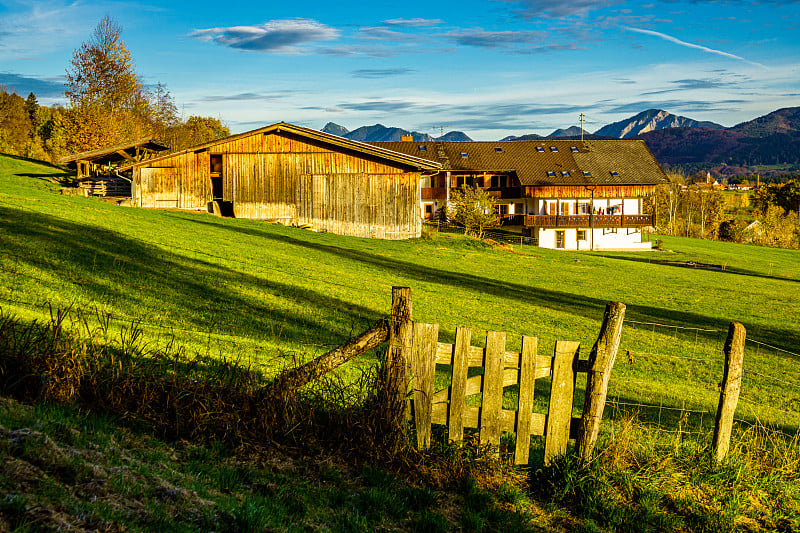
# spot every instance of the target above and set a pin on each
(407, 138)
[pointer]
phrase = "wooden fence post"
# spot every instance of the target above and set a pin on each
(601, 361)
(731, 385)
(398, 358)
(562, 390)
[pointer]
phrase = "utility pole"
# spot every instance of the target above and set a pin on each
(582, 115)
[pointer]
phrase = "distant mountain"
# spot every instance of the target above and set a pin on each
(773, 139)
(650, 120)
(786, 120)
(379, 132)
(572, 131)
(455, 136)
(527, 137)
(335, 129)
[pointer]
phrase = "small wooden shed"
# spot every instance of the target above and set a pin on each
(294, 175)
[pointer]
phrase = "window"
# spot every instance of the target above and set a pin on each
(540, 149)
(565, 173)
(423, 148)
(581, 234)
(614, 173)
(554, 148)
(574, 148)
(560, 240)
(464, 155)
(503, 181)
(498, 149)
(551, 174)
(587, 174)
(495, 182)
(460, 181)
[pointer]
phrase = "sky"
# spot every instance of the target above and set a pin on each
(489, 68)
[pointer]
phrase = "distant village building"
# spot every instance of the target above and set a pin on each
(567, 194)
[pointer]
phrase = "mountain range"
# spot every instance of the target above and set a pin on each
(771, 140)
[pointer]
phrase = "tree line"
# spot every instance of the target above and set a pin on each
(688, 209)
(107, 103)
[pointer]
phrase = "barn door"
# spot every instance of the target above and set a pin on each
(319, 197)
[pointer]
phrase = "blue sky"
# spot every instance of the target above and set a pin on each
(490, 68)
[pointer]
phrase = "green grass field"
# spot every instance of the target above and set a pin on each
(268, 294)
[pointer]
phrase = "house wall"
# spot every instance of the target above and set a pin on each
(293, 179)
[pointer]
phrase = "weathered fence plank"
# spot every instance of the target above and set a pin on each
(398, 356)
(600, 363)
(527, 384)
(731, 386)
(423, 363)
(458, 389)
(492, 398)
(559, 414)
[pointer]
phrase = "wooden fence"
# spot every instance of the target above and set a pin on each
(503, 369)
(414, 351)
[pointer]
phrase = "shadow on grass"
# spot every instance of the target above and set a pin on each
(31, 160)
(734, 271)
(568, 302)
(157, 285)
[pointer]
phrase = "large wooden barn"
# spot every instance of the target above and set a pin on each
(291, 174)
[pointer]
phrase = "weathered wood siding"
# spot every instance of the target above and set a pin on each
(181, 181)
(285, 177)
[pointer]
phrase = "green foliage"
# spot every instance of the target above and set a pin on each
(473, 208)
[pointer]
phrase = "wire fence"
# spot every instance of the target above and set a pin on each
(499, 235)
(670, 377)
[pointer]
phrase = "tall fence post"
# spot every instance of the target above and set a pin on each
(397, 363)
(601, 361)
(731, 386)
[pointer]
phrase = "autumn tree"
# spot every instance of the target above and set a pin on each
(107, 100)
(473, 208)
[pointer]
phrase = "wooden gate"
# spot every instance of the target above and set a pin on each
(502, 369)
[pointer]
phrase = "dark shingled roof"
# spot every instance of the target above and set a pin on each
(614, 162)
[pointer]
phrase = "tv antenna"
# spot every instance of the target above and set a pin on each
(441, 131)
(581, 117)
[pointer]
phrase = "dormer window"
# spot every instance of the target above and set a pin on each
(551, 174)
(574, 148)
(498, 149)
(565, 173)
(554, 148)
(423, 148)
(615, 173)
(464, 155)
(587, 174)
(540, 148)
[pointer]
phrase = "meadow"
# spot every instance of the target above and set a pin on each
(268, 296)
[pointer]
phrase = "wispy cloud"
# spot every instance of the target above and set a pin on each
(496, 39)
(692, 45)
(694, 84)
(247, 97)
(42, 87)
(413, 23)
(554, 9)
(278, 36)
(685, 106)
(380, 73)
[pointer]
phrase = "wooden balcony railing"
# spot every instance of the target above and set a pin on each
(434, 193)
(586, 221)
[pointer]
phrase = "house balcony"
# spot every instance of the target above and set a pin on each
(434, 193)
(587, 221)
(505, 192)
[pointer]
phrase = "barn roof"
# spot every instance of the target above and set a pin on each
(127, 151)
(357, 146)
(545, 162)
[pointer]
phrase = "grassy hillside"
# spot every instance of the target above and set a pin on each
(269, 294)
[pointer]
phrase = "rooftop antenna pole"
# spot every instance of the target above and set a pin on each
(441, 131)
(582, 115)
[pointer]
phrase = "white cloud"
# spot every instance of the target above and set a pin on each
(277, 36)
